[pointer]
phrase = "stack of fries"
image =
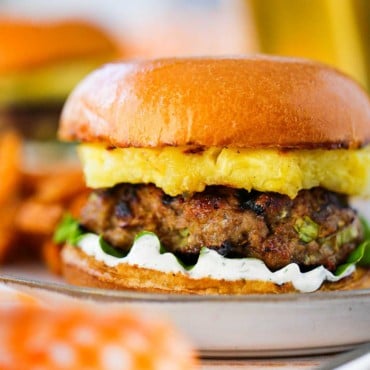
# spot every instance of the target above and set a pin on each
(32, 204)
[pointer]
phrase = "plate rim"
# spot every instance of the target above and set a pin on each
(128, 295)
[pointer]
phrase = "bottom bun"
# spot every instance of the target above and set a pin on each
(83, 270)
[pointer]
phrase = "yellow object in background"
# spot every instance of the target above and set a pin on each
(325, 30)
(362, 8)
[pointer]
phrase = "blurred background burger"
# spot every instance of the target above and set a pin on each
(40, 63)
(330, 31)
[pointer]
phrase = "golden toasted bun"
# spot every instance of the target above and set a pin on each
(253, 102)
(24, 44)
(81, 269)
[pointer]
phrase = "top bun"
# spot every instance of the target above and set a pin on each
(25, 44)
(250, 102)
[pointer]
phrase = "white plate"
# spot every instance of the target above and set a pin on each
(232, 326)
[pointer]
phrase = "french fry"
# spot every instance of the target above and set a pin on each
(78, 202)
(10, 176)
(7, 229)
(30, 182)
(51, 256)
(60, 187)
(50, 250)
(38, 218)
(6, 239)
(32, 204)
(10, 162)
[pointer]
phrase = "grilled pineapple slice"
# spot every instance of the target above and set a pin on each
(183, 169)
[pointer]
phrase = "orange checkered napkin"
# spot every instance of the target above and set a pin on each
(38, 337)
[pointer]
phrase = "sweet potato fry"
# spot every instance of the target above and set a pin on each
(60, 187)
(30, 182)
(10, 161)
(31, 204)
(38, 218)
(7, 229)
(78, 202)
(51, 256)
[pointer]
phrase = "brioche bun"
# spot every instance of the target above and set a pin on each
(252, 102)
(25, 44)
(81, 269)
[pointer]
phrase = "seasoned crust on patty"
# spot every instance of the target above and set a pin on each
(232, 221)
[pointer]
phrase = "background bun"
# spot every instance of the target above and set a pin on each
(250, 102)
(25, 44)
(81, 269)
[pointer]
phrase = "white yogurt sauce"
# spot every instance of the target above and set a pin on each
(145, 252)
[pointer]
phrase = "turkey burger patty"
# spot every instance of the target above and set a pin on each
(316, 228)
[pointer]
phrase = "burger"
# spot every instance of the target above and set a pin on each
(219, 176)
(40, 63)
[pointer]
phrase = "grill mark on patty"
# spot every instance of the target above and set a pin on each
(122, 209)
(247, 200)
